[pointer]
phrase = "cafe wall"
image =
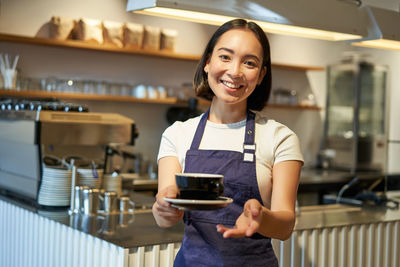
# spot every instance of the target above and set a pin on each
(30, 18)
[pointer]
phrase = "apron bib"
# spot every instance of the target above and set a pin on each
(202, 245)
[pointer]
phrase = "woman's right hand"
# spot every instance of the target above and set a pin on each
(164, 214)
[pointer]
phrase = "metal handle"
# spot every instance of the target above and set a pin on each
(73, 208)
(125, 204)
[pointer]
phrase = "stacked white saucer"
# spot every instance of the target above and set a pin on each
(55, 188)
(90, 177)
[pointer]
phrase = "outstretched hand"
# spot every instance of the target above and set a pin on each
(247, 223)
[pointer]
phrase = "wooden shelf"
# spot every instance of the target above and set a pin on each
(294, 107)
(80, 96)
(108, 48)
(93, 46)
(297, 67)
(94, 97)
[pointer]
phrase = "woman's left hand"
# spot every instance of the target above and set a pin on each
(248, 222)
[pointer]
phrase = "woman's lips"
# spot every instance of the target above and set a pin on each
(231, 86)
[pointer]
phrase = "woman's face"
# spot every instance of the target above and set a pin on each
(235, 66)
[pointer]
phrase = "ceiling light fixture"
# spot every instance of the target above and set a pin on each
(383, 30)
(304, 18)
(381, 44)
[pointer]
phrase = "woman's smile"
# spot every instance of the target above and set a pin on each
(232, 86)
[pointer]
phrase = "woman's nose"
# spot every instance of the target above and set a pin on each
(235, 69)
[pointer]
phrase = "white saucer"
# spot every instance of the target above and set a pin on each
(197, 204)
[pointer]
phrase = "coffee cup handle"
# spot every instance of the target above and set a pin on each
(132, 204)
(101, 206)
(102, 220)
(132, 219)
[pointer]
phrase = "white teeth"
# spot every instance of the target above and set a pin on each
(231, 85)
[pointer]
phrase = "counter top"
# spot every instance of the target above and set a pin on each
(139, 228)
(129, 230)
(333, 215)
(311, 176)
(325, 181)
(319, 176)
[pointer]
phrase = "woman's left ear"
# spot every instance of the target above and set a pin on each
(205, 68)
(262, 74)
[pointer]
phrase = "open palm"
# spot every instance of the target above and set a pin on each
(247, 223)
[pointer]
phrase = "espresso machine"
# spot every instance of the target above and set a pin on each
(355, 136)
(29, 134)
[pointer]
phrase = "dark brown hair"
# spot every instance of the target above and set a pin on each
(259, 98)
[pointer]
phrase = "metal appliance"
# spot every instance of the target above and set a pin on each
(28, 136)
(355, 136)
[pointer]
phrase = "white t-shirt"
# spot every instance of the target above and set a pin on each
(274, 143)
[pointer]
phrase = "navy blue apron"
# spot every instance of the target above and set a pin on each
(202, 245)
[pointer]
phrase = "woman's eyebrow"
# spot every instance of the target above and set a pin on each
(232, 52)
(226, 49)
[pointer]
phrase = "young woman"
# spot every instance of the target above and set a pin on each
(259, 158)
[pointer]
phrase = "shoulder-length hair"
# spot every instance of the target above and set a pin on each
(259, 98)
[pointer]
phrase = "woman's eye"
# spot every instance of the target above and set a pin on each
(251, 64)
(224, 57)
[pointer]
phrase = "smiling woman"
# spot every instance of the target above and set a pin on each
(235, 74)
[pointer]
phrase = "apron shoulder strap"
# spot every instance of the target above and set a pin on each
(199, 131)
(249, 146)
